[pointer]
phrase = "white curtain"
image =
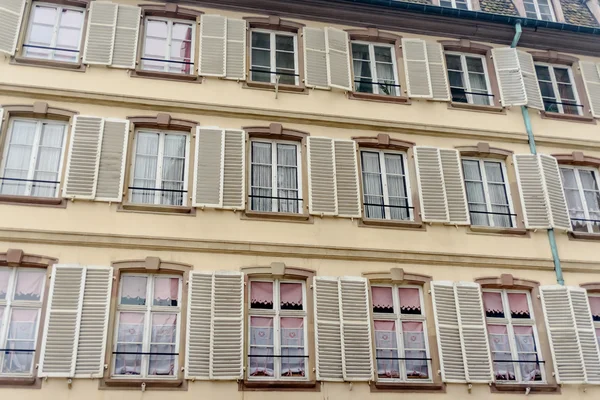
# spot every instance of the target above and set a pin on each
(500, 346)
(18, 157)
(29, 284)
(4, 276)
(164, 336)
(475, 193)
(261, 347)
(287, 178)
(133, 290)
(48, 160)
(362, 67)
(477, 80)
(385, 70)
(173, 171)
(574, 201)
(396, 186)
(130, 338)
(145, 168)
(414, 350)
(497, 193)
(262, 175)
(527, 351)
(372, 185)
(292, 345)
(388, 365)
(21, 334)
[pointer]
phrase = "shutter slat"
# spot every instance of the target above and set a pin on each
(208, 176)
(321, 176)
(328, 336)
(234, 170)
(531, 191)
(437, 71)
(338, 59)
(530, 80)
(213, 45)
(126, 36)
(434, 206)
(456, 197)
(198, 331)
(591, 78)
(346, 176)
(113, 155)
(557, 204)
(315, 58)
(236, 49)
(11, 17)
(510, 78)
(100, 36)
(416, 67)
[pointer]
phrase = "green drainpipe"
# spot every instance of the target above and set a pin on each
(532, 148)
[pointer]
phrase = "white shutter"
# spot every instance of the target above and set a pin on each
(236, 49)
(213, 45)
(199, 331)
(591, 79)
(315, 58)
(11, 16)
(126, 36)
(434, 206)
(1, 116)
(234, 170)
(113, 156)
(531, 191)
(510, 79)
(338, 59)
(456, 197)
(587, 334)
(321, 176)
(416, 67)
(208, 174)
(328, 334)
(346, 179)
(437, 71)
(558, 212)
(100, 36)
(530, 80)
(84, 158)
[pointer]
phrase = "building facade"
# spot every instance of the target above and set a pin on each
(316, 199)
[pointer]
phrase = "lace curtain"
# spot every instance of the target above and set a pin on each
(261, 347)
(504, 367)
(130, 338)
(414, 350)
(4, 275)
(386, 349)
(163, 339)
(292, 346)
(133, 290)
(21, 335)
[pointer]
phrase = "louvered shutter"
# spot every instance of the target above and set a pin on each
(531, 191)
(431, 184)
(236, 49)
(416, 67)
(321, 176)
(328, 336)
(471, 320)
(510, 79)
(458, 209)
(557, 204)
(100, 36)
(208, 174)
(315, 58)
(591, 80)
(346, 178)
(199, 331)
(356, 329)
(234, 170)
(338, 59)
(84, 158)
(437, 71)
(113, 156)
(449, 342)
(530, 80)
(213, 45)
(587, 334)
(11, 16)
(126, 36)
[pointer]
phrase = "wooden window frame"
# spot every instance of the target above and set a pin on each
(469, 5)
(465, 75)
(273, 55)
(581, 192)
(373, 66)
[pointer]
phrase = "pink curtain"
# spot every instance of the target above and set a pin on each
(131, 327)
(166, 289)
(4, 275)
(261, 292)
(497, 330)
(409, 299)
(290, 294)
(492, 302)
(382, 297)
(30, 284)
(134, 287)
(412, 327)
(389, 326)
(595, 305)
(518, 303)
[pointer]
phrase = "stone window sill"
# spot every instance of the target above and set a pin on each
(276, 216)
(25, 383)
(379, 386)
(271, 86)
(36, 62)
(138, 73)
(567, 117)
(387, 223)
(534, 388)
(584, 236)
(33, 201)
(136, 384)
(476, 107)
(378, 97)
(499, 230)
(276, 386)
(158, 209)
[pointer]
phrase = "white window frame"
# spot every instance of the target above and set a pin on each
(383, 172)
(486, 190)
(148, 310)
(169, 39)
(539, 14)
(277, 313)
(586, 211)
(53, 43)
(465, 75)
(469, 6)
(398, 318)
(9, 304)
(373, 66)
(159, 166)
(274, 181)
(35, 149)
(596, 323)
(273, 53)
(555, 86)
(510, 323)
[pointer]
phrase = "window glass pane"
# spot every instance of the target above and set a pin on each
(45, 15)
(261, 40)
(372, 185)
(2, 309)
(382, 299)
(285, 61)
(290, 296)
(166, 292)
(261, 295)
(396, 186)
(30, 283)
(474, 64)
(383, 54)
(415, 350)
(471, 170)
(386, 346)
(595, 307)
(292, 347)
(4, 276)
(287, 178)
(504, 369)
(71, 18)
(527, 351)
(410, 300)
(588, 179)
(284, 42)
(261, 185)
(173, 170)
(130, 338)
(386, 79)
(492, 302)
(453, 62)
(48, 163)
(519, 307)
(568, 178)
(157, 29)
(445, 3)
(21, 335)
(133, 290)
(543, 72)
(360, 51)
(163, 338)
(145, 168)
(562, 75)
(598, 334)
(18, 157)
(261, 347)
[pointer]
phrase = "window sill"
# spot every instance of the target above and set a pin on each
(499, 231)
(158, 209)
(33, 201)
(568, 117)
(378, 97)
(271, 86)
(37, 62)
(386, 223)
(136, 384)
(138, 73)
(476, 107)
(277, 217)
(25, 383)
(278, 386)
(534, 388)
(584, 236)
(379, 386)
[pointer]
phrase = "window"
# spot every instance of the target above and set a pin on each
(488, 193)
(148, 324)
(385, 185)
(468, 77)
(513, 337)
(460, 4)
(402, 351)
(539, 9)
(32, 159)
(583, 198)
(21, 296)
(54, 32)
(278, 329)
(274, 57)
(160, 168)
(375, 68)
(558, 90)
(169, 46)
(595, 307)
(276, 177)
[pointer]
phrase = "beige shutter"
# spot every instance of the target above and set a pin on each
(208, 174)
(557, 204)
(530, 80)
(449, 341)
(591, 80)
(234, 170)
(11, 16)
(1, 117)
(531, 191)
(437, 71)
(84, 158)
(587, 334)
(346, 178)
(321, 176)
(328, 334)
(94, 323)
(198, 332)
(126, 36)
(315, 58)
(458, 209)
(236, 49)
(213, 45)
(510, 78)
(416, 67)
(113, 156)
(432, 194)
(338, 59)
(100, 36)
(356, 329)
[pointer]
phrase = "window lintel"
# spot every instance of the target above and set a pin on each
(374, 35)
(592, 287)
(18, 258)
(275, 23)
(275, 131)
(151, 265)
(483, 149)
(577, 158)
(278, 270)
(506, 281)
(68, 3)
(163, 121)
(465, 46)
(382, 141)
(170, 10)
(397, 276)
(553, 57)
(39, 110)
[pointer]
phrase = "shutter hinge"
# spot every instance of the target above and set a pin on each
(70, 383)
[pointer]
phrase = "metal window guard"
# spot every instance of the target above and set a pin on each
(28, 180)
(493, 213)
(403, 358)
(167, 61)
(144, 353)
(6, 351)
(376, 83)
(519, 361)
(50, 48)
(585, 220)
(157, 189)
(274, 356)
(471, 93)
(274, 197)
(273, 72)
(387, 205)
(563, 103)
